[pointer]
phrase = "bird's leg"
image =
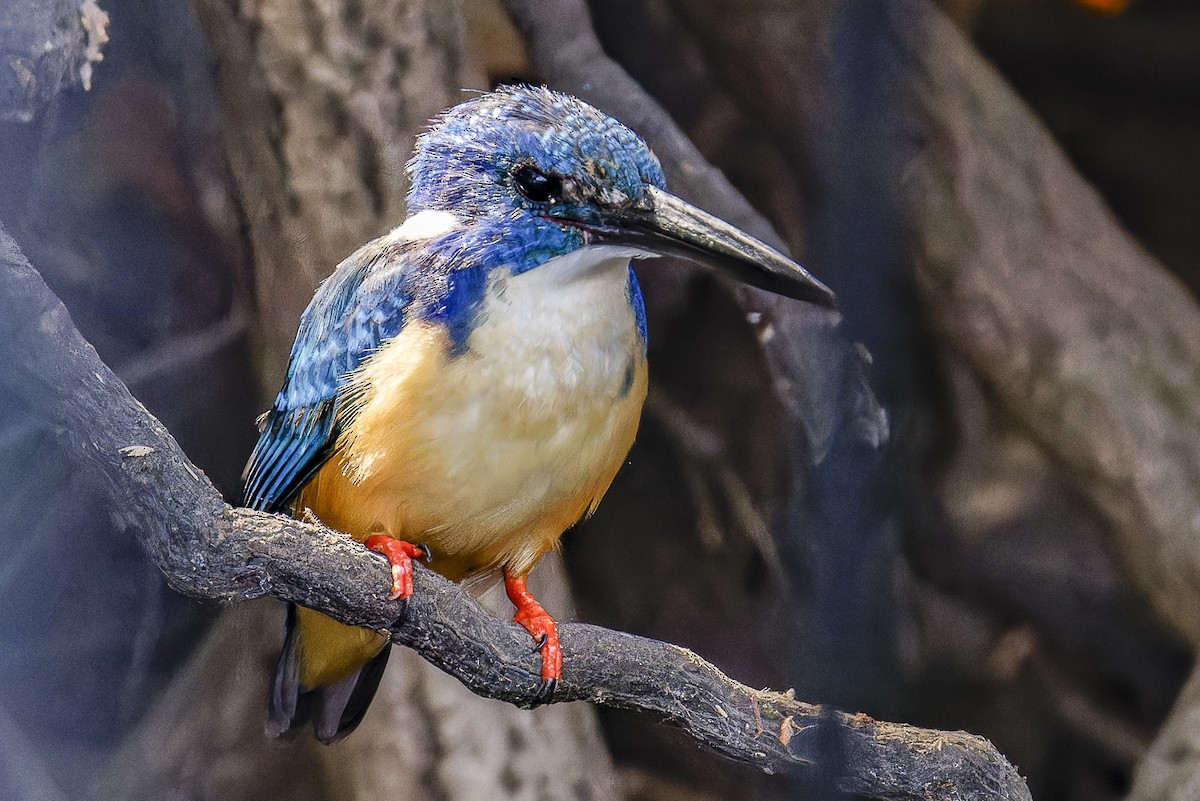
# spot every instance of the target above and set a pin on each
(537, 621)
(400, 554)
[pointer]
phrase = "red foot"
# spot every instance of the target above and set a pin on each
(541, 627)
(400, 554)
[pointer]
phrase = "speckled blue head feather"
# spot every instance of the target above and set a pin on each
(463, 162)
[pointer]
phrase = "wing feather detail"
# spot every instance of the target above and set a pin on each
(364, 303)
(358, 307)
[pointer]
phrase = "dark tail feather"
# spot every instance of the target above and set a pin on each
(285, 687)
(334, 710)
(369, 676)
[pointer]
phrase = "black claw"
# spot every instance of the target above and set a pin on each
(540, 644)
(428, 553)
(545, 693)
(403, 616)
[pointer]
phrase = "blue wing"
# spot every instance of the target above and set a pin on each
(366, 301)
(359, 306)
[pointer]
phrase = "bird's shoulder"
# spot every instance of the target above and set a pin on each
(429, 269)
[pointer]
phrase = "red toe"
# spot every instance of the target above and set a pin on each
(399, 553)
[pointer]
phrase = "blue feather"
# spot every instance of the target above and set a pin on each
(639, 307)
(367, 301)
(337, 331)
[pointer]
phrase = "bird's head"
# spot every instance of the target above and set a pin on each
(551, 174)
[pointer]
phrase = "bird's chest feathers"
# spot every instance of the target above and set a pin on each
(548, 362)
(536, 413)
(553, 339)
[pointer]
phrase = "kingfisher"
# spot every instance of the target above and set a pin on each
(464, 388)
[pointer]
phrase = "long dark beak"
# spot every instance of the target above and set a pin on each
(670, 226)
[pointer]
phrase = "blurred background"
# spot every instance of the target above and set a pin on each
(943, 512)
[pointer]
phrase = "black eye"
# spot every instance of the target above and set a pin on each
(536, 185)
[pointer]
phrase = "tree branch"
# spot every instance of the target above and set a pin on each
(209, 550)
(1080, 333)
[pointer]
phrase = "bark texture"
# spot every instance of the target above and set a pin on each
(1075, 328)
(323, 102)
(45, 48)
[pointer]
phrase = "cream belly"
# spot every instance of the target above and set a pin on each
(489, 456)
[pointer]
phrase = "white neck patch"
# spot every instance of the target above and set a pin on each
(425, 224)
(590, 261)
